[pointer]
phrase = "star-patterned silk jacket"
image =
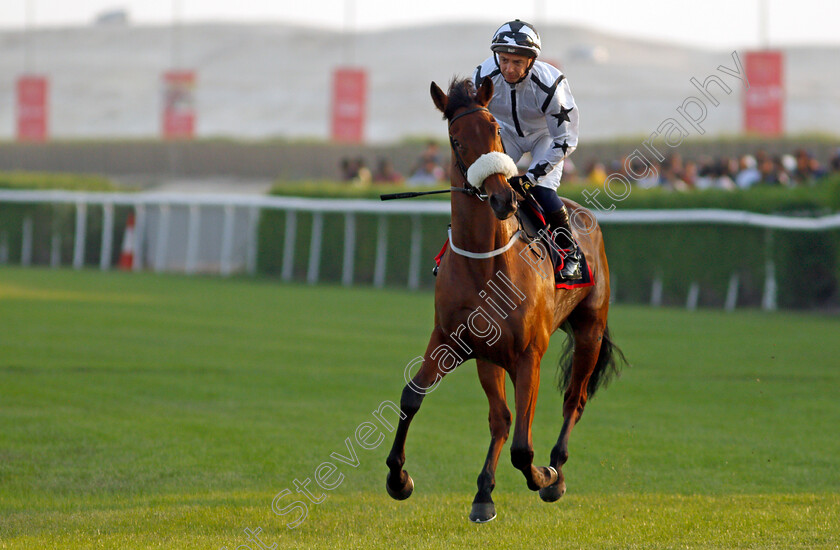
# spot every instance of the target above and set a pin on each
(538, 115)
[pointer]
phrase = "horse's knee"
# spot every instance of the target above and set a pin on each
(410, 401)
(521, 457)
(574, 410)
(507, 419)
(574, 402)
(500, 426)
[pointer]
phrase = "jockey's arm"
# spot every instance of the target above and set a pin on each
(561, 117)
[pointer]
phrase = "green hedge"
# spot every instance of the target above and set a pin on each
(55, 219)
(44, 181)
(806, 263)
(818, 199)
(679, 254)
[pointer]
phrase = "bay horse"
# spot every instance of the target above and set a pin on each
(507, 331)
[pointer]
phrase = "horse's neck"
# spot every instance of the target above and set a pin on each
(475, 227)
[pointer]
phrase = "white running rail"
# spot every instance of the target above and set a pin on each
(162, 203)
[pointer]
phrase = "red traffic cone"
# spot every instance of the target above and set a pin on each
(127, 254)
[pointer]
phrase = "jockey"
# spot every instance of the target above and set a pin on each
(534, 106)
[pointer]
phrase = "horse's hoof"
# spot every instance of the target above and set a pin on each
(482, 512)
(405, 489)
(552, 493)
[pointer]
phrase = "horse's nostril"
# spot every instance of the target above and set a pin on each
(502, 205)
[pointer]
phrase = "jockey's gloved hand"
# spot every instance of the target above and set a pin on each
(521, 184)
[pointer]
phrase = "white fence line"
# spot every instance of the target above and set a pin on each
(162, 203)
(367, 206)
(726, 217)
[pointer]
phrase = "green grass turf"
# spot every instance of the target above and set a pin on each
(141, 411)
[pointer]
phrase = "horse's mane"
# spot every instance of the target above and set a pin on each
(461, 94)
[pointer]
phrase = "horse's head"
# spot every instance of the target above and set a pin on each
(477, 144)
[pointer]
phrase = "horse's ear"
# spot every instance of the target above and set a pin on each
(485, 92)
(439, 97)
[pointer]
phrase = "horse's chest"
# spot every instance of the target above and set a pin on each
(486, 330)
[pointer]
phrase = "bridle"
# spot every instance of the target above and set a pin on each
(470, 190)
(459, 162)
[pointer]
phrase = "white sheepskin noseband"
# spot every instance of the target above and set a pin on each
(489, 164)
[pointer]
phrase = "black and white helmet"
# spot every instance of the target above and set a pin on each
(517, 37)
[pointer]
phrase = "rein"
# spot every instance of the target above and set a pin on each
(412, 194)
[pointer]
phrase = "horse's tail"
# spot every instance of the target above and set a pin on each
(610, 361)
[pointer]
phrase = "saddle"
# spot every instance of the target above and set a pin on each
(531, 219)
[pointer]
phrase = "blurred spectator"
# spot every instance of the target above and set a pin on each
(675, 173)
(432, 152)
(355, 171)
(349, 170)
(834, 163)
(768, 168)
(670, 180)
(748, 175)
(385, 173)
(726, 173)
(651, 173)
(727, 169)
(705, 176)
(784, 165)
(788, 164)
(690, 174)
(363, 174)
(808, 169)
(428, 170)
(596, 173)
(428, 173)
(675, 161)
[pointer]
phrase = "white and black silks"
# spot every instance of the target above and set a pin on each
(537, 115)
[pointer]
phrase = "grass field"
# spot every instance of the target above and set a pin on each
(141, 411)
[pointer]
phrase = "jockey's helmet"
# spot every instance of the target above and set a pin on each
(517, 37)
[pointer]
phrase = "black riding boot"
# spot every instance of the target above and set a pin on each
(561, 230)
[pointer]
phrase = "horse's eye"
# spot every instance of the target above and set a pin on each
(499, 131)
(455, 143)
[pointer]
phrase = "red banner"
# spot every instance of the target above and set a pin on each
(348, 105)
(32, 111)
(179, 104)
(764, 99)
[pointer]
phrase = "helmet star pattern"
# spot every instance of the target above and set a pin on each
(517, 37)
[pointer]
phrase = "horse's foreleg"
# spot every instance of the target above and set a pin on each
(492, 380)
(439, 359)
(522, 449)
(587, 348)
